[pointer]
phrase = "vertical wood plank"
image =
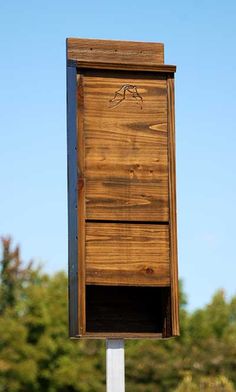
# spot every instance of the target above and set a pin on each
(81, 204)
(115, 365)
(172, 207)
(72, 200)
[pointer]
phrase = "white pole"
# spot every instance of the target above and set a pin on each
(115, 365)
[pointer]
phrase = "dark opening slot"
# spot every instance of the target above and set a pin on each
(128, 309)
(135, 222)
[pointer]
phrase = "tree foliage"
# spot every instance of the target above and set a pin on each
(36, 354)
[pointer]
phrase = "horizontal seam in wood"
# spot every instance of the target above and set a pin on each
(126, 222)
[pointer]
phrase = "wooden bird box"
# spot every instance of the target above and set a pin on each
(123, 279)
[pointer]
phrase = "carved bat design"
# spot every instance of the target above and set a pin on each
(121, 93)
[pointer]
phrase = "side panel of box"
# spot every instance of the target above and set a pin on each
(81, 203)
(172, 207)
(72, 200)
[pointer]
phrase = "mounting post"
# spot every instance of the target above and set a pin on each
(115, 365)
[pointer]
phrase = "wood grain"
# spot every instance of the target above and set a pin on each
(173, 220)
(122, 200)
(126, 162)
(150, 67)
(123, 273)
(124, 52)
(127, 254)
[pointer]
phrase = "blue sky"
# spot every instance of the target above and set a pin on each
(199, 37)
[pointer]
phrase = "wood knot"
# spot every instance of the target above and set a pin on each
(149, 270)
(131, 173)
(81, 184)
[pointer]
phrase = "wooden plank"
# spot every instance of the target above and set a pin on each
(119, 335)
(127, 254)
(125, 200)
(72, 201)
(124, 52)
(81, 204)
(151, 67)
(126, 149)
(173, 221)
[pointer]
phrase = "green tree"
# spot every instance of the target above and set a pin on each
(18, 367)
(36, 354)
(35, 351)
(12, 274)
(205, 384)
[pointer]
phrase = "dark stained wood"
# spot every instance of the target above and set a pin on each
(173, 221)
(72, 200)
(119, 335)
(166, 308)
(127, 254)
(123, 274)
(151, 67)
(123, 52)
(126, 162)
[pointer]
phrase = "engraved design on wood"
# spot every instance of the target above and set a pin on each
(121, 94)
